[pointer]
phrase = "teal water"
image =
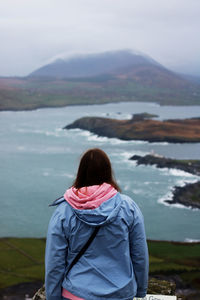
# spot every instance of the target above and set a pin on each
(39, 161)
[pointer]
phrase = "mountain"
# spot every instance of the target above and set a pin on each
(119, 66)
(96, 79)
(94, 64)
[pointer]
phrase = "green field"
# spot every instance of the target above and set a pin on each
(22, 260)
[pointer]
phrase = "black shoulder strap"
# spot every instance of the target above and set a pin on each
(84, 248)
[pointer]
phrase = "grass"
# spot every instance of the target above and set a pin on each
(26, 94)
(170, 258)
(22, 260)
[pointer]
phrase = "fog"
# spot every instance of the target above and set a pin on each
(33, 33)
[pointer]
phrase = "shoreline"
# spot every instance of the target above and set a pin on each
(97, 103)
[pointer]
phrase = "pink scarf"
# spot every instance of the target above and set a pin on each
(89, 197)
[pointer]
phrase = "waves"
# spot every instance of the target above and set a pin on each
(52, 173)
(188, 240)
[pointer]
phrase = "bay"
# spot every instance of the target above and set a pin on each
(39, 161)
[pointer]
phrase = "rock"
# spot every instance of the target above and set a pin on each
(161, 287)
(188, 195)
(40, 295)
(156, 286)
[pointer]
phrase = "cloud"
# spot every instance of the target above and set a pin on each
(33, 32)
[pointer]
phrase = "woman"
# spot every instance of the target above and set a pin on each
(115, 265)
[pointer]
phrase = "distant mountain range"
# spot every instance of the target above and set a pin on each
(114, 76)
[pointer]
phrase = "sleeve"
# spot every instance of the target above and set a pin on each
(139, 253)
(55, 258)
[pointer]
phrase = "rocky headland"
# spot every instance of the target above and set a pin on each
(188, 195)
(142, 127)
(190, 166)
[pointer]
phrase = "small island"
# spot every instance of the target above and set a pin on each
(142, 127)
(188, 195)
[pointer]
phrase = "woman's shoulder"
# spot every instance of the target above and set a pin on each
(130, 205)
(62, 209)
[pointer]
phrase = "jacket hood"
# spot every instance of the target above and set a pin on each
(104, 202)
(94, 205)
(89, 197)
(105, 213)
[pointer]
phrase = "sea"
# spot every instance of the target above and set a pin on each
(39, 161)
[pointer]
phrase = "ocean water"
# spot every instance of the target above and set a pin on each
(38, 162)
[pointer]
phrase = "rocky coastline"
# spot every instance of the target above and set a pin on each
(142, 127)
(188, 195)
(190, 166)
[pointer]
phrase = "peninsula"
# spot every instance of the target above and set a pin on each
(141, 127)
(188, 195)
(190, 165)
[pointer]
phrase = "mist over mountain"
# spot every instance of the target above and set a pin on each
(94, 64)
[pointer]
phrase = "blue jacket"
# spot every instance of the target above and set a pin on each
(115, 266)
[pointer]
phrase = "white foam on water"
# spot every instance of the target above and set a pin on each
(137, 191)
(58, 132)
(43, 150)
(177, 172)
(169, 196)
(160, 143)
(114, 141)
(127, 155)
(126, 187)
(68, 175)
(57, 174)
(46, 174)
(183, 182)
(188, 240)
(99, 139)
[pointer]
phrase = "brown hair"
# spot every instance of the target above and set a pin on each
(94, 169)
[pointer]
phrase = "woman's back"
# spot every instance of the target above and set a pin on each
(106, 270)
(115, 265)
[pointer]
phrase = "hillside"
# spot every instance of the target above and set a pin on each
(97, 79)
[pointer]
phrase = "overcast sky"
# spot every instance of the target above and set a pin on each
(34, 32)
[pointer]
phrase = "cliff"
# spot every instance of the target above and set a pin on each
(172, 131)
